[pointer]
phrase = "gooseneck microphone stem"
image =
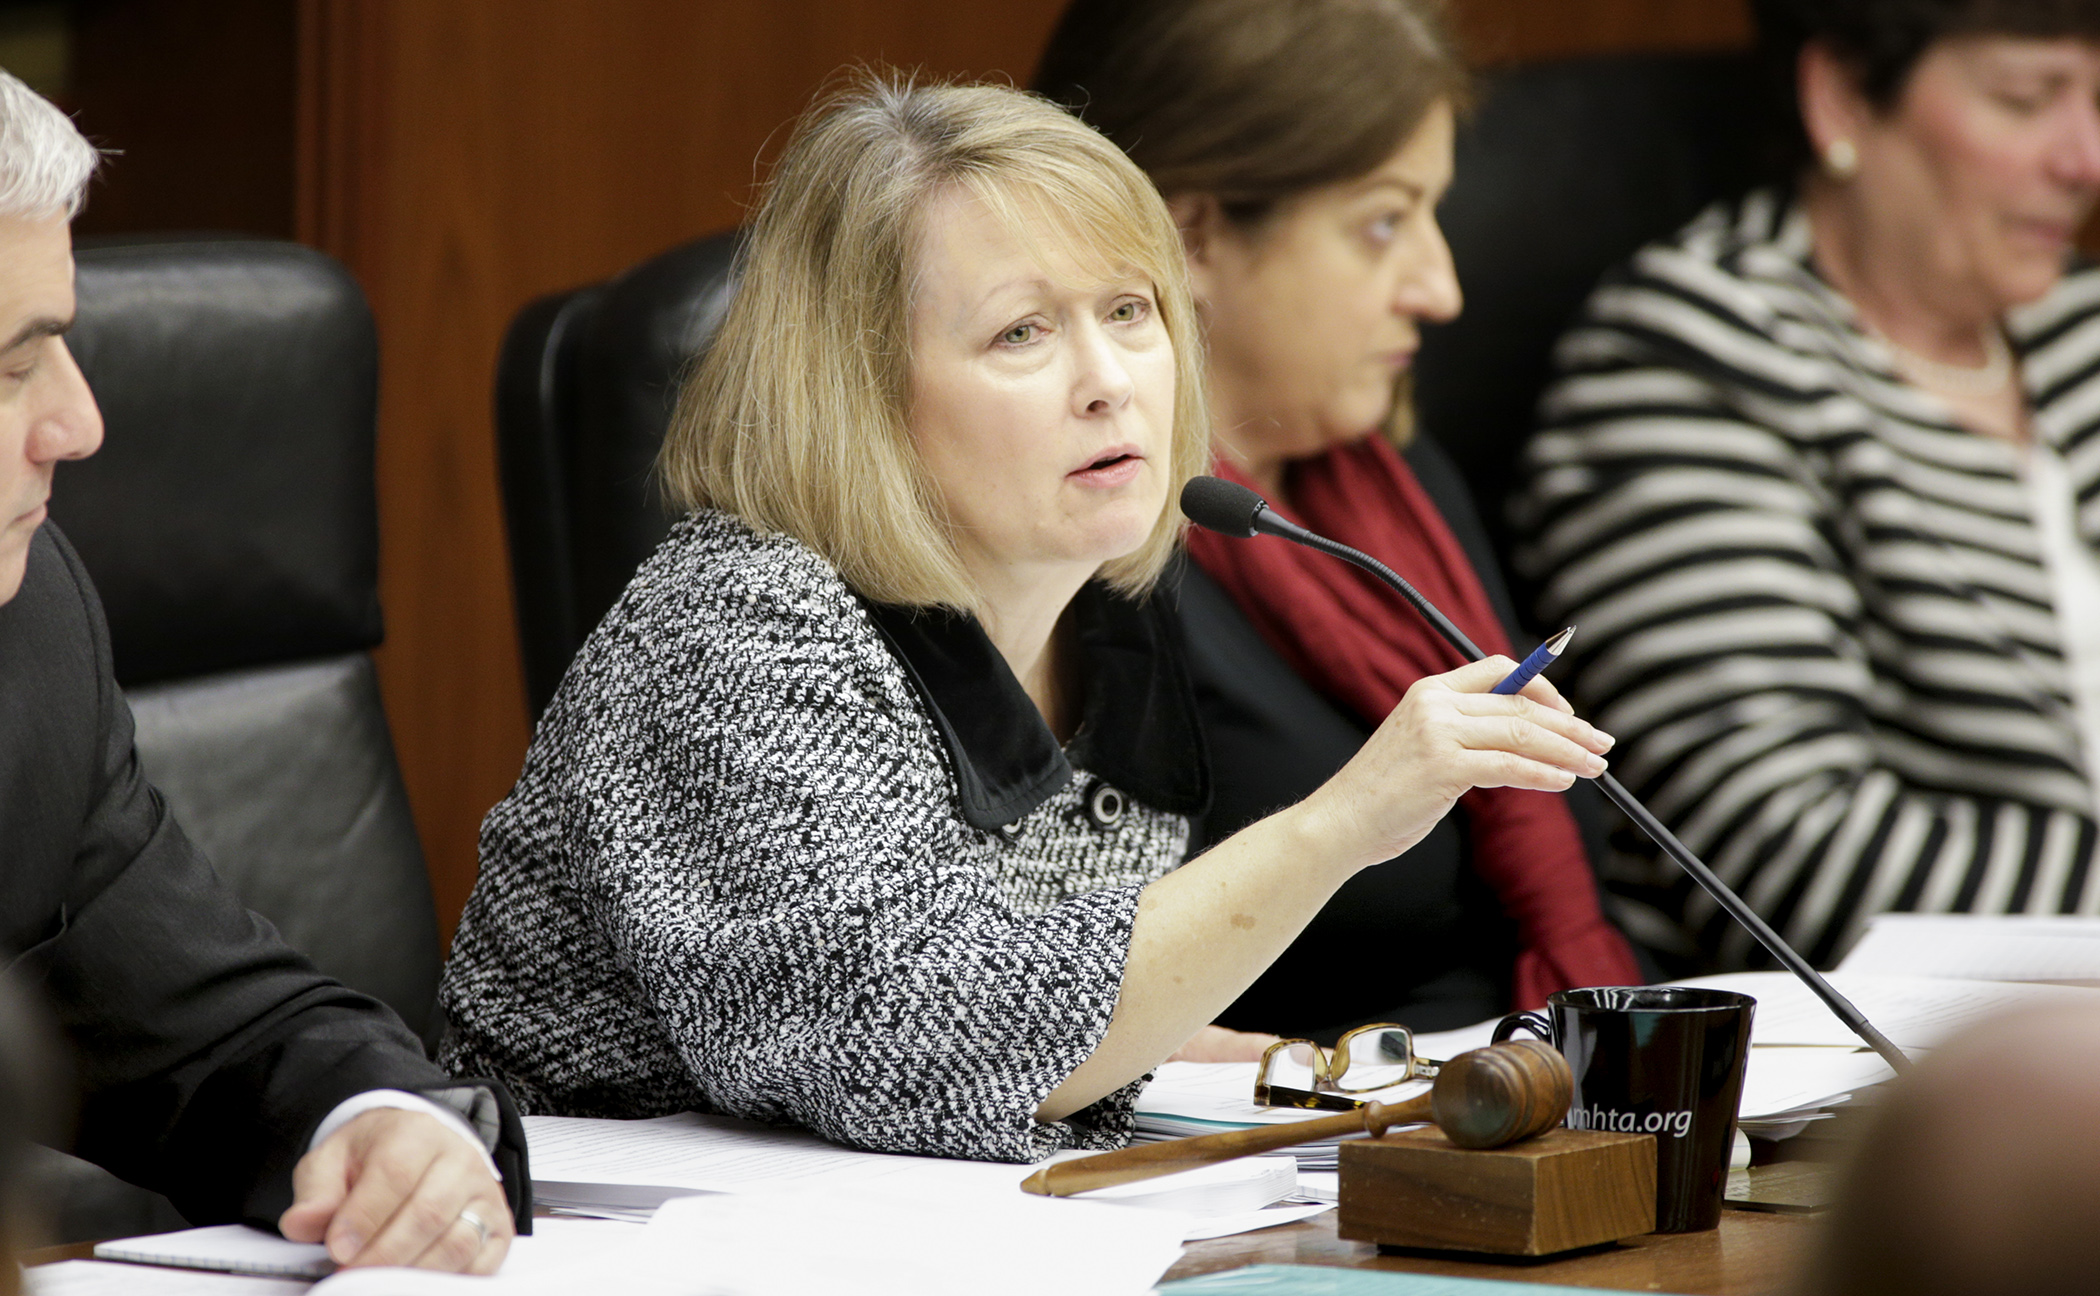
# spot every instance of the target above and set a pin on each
(1276, 525)
(1233, 510)
(1854, 1019)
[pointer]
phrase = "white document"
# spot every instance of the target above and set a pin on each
(720, 1154)
(1210, 1093)
(1217, 1226)
(1192, 1098)
(224, 1248)
(562, 1256)
(105, 1278)
(1783, 1082)
(1977, 947)
(648, 1163)
(1229, 1188)
(1915, 1012)
(876, 1243)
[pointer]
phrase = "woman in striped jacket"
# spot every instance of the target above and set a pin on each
(1821, 482)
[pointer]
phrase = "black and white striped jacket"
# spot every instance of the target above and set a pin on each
(783, 854)
(1813, 610)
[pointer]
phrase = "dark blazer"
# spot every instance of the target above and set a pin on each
(207, 1050)
(1419, 939)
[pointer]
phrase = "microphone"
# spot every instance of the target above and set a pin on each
(1231, 509)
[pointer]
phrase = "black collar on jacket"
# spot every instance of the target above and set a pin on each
(1139, 730)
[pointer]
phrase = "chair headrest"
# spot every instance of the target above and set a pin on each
(230, 518)
(1564, 172)
(645, 331)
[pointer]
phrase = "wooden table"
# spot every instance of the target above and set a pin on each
(1751, 1253)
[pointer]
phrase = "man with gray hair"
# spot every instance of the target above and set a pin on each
(216, 1065)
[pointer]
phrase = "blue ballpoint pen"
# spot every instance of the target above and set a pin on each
(1541, 657)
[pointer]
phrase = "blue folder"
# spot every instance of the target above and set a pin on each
(1322, 1280)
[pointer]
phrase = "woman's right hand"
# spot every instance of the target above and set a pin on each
(1448, 736)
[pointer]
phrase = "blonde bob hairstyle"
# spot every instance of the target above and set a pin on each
(798, 418)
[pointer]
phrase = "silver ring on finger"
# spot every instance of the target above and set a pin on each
(481, 1227)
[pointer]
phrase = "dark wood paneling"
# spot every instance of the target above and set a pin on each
(198, 96)
(1525, 31)
(464, 156)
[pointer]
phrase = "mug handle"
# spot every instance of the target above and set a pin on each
(1535, 1023)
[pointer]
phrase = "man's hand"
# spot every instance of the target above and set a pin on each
(397, 1187)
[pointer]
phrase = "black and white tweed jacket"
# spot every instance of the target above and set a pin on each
(782, 854)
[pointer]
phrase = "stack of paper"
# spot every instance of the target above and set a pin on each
(105, 1278)
(1787, 1088)
(2017, 947)
(1916, 1012)
(564, 1256)
(1191, 1098)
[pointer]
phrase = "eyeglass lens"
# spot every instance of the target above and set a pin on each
(1374, 1058)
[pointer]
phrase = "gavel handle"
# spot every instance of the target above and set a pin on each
(1150, 1160)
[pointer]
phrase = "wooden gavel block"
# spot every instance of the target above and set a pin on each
(1562, 1190)
(1465, 1186)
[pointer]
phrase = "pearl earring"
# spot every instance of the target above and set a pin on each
(1841, 159)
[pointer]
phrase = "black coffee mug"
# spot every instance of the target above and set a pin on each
(1661, 1060)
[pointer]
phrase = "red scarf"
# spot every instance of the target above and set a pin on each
(1359, 643)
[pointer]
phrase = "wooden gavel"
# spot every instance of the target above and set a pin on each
(1482, 1099)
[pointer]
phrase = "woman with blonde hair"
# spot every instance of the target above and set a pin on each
(862, 809)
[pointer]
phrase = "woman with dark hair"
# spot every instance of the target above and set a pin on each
(1302, 149)
(1820, 480)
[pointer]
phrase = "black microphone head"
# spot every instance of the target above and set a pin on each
(1222, 506)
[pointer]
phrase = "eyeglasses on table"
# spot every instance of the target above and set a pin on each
(1300, 1073)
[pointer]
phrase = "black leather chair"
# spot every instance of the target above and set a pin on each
(230, 524)
(1565, 170)
(584, 391)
